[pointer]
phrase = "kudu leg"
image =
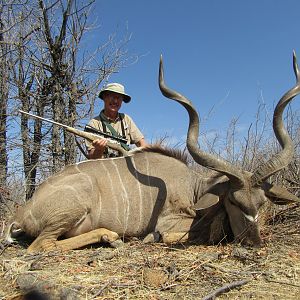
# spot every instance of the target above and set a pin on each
(175, 237)
(92, 237)
(175, 229)
(47, 242)
(167, 237)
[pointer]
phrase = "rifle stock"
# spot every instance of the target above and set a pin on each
(86, 135)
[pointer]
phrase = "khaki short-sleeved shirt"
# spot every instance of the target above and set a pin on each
(132, 133)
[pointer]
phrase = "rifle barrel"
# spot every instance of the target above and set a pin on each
(44, 119)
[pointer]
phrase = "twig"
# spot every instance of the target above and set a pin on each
(3, 246)
(283, 282)
(99, 293)
(168, 286)
(226, 288)
(193, 268)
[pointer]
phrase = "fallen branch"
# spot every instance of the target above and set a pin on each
(226, 288)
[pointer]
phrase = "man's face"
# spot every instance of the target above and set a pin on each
(112, 101)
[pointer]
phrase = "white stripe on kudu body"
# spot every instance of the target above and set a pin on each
(139, 203)
(123, 195)
(114, 200)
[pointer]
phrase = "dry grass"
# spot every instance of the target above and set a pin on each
(140, 271)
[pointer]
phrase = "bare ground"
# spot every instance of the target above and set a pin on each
(157, 271)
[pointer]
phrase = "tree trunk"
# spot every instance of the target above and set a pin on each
(3, 122)
(57, 149)
(70, 146)
(3, 107)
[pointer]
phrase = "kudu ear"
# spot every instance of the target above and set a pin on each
(211, 196)
(279, 195)
(206, 201)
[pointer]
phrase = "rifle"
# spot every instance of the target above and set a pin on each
(94, 134)
(89, 128)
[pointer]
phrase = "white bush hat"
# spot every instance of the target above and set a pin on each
(117, 88)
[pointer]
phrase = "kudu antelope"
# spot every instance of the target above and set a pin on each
(153, 194)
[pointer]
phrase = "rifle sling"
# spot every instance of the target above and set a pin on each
(80, 147)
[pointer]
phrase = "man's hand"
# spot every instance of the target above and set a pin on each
(100, 144)
(99, 147)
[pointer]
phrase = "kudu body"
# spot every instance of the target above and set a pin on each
(151, 192)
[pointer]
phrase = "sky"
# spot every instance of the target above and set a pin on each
(225, 56)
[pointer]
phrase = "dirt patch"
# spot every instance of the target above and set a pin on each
(157, 271)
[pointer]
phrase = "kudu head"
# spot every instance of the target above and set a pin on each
(244, 192)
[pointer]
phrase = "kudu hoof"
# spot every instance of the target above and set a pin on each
(117, 244)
